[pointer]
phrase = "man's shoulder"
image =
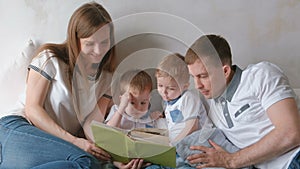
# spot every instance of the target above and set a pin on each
(191, 92)
(262, 67)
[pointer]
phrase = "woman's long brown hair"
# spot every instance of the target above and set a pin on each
(84, 22)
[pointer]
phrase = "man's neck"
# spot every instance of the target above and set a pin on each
(228, 80)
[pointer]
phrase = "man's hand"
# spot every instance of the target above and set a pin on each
(210, 157)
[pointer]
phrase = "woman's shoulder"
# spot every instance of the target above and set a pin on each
(43, 57)
(45, 63)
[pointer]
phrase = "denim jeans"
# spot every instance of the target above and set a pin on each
(295, 164)
(24, 146)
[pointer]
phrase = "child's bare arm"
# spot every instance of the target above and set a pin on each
(190, 126)
(117, 116)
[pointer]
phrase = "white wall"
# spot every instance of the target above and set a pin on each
(257, 30)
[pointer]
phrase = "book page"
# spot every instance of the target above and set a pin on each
(157, 131)
(149, 137)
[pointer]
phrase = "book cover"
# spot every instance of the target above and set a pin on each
(152, 145)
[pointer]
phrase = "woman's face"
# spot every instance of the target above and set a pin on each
(96, 46)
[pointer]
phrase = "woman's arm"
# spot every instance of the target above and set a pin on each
(36, 92)
(98, 114)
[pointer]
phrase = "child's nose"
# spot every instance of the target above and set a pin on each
(139, 107)
(165, 91)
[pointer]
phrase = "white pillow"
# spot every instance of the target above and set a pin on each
(13, 78)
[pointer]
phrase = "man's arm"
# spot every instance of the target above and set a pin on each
(285, 136)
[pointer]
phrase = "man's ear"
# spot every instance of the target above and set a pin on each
(226, 70)
(186, 86)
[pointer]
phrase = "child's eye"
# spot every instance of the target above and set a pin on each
(143, 103)
(132, 103)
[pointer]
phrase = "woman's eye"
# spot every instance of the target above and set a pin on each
(88, 44)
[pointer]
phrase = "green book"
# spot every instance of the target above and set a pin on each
(150, 144)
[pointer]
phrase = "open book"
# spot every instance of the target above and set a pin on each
(150, 144)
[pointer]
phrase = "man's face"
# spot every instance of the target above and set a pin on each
(209, 80)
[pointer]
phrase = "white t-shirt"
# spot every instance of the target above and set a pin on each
(178, 111)
(59, 103)
(250, 93)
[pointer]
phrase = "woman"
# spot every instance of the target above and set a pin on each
(44, 130)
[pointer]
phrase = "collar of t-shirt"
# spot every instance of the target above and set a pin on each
(171, 102)
(233, 85)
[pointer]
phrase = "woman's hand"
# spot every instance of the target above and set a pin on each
(133, 164)
(92, 148)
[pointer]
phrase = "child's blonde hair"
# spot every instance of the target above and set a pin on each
(138, 80)
(173, 66)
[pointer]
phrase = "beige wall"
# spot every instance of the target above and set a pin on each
(257, 30)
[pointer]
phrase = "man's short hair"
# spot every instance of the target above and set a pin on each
(213, 46)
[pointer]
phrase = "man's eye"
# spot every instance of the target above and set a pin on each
(204, 76)
(104, 42)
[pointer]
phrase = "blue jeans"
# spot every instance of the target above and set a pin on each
(24, 146)
(295, 164)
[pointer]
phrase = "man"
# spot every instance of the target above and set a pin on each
(256, 109)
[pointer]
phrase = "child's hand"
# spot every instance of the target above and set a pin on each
(124, 100)
(133, 164)
(156, 115)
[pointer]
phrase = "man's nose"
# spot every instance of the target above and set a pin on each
(198, 83)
